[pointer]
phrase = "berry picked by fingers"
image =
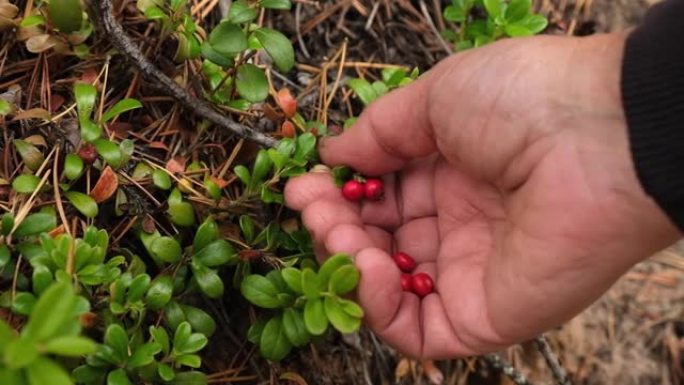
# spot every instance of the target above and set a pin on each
(374, 189)
(353, 191)
(422, 284)
(406, 283)
(405, 262)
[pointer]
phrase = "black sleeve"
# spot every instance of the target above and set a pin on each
(653, 99)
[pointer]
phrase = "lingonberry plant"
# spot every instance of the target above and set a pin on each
(480, 22)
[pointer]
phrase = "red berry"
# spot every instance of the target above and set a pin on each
(374, 189)
(422, 284)
(406, 282)
(88, 153)
(353, 190)
(404, 262)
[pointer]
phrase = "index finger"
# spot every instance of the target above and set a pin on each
(391, 131)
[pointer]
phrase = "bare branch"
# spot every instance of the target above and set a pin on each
(507, 369)
(102, 10)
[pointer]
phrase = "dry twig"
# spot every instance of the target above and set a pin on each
(552, 361)
(102, 10)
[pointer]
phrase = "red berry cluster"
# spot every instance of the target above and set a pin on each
(355, 190)
(419, 283)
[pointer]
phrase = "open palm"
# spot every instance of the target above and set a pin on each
(508, 179)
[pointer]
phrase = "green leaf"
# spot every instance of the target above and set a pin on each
(240, 12)
(66, 15)
(189, 360)
(262, 167)
(35, 224)
(138, 287)
(85, 95)
(243, 173)
(161, 337)
(174, 314)
(166, 372)
(25, 183)
(331, 265)
(306, 147)
(45, 371)
(517, 10)
(350, 307)
(144, 355)
(392, 77)
(247, 227)
(251, 83)
(73, 166)
(72, 346)
(339, 319)
(109, 151)
(116, 338)
(456, 13)
(228, 39)
(6, 223)
(314, 317)
(83, 203)
(274, 344)
(311, 284)
(209, 53)
(208, 280)
(293, 278)
(90, 131)
(29, 153)
(160, 292)
(533, 23)
(294, 327)
(190, 378)
(161, 179)
(494, 8)
(23, 303)
(344, 280)
(121, 107)
(277, 4)
(118, 377)
(277, 46)
(13, 377)
(207, 233)
(5, 256)
(20, 353)
(32, 21)
(182, 214)
(200, 320)
(5, 107)
(363, 89)
(186, 342)
(255, 331)
(166, 249)
(217, 253)
(260, 291)
(53, 309)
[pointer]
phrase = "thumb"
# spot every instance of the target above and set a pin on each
(391, 131)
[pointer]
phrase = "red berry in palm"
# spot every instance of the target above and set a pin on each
(374, 189)
(353, 190)
(422, 284)
(406, 282)
(404, 262)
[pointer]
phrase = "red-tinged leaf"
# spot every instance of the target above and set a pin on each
(287, 102)
(56, 101)
(89, 76)
(288, 129)
(120, 129)
(159, 146)
(33, 113)
(221, 183)
(176, 165)
(59, 230)
(106, 186)
(294, 377)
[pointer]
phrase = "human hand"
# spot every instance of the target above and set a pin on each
(509, 179)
